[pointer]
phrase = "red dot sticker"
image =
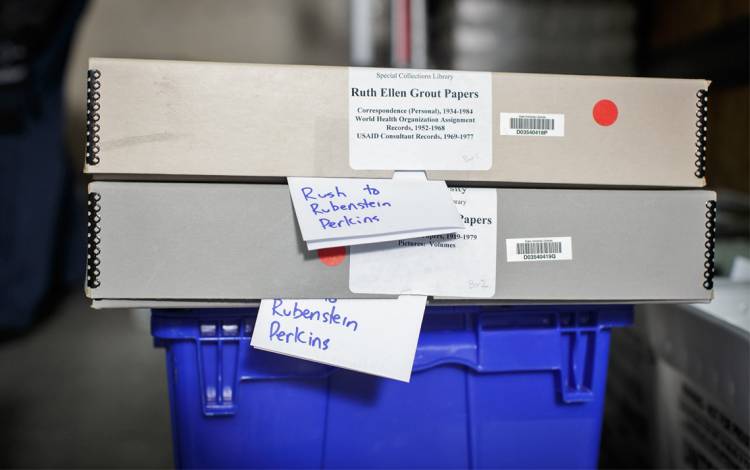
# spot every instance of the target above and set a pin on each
(605, 112)
(332, 256)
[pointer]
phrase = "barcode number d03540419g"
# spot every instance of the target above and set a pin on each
(539, 249)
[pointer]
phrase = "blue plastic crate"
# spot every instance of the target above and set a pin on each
(492, 387)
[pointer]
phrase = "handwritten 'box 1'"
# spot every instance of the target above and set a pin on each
(228, 244)
(163, 118)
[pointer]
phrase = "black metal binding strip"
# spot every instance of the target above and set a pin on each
(92, 116)
(701, 133)
(710, 244)
(92, 249)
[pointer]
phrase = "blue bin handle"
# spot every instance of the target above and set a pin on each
(451, 347)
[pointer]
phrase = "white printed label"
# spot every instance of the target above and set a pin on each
(539, 249)
(374, 336)
(534, 125)
(350, 211)
(419, 119)
(455, 265)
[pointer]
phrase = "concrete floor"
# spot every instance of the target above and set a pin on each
(85, 388)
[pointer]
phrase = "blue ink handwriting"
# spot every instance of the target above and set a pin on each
(326, 202)
(296, 312)
(297, 336)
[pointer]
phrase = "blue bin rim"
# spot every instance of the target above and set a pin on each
(437, 346)
(608, 315)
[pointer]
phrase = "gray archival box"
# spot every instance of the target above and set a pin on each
(199, 244)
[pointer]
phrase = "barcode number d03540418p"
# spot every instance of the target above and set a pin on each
(532, 123)
(539, 125)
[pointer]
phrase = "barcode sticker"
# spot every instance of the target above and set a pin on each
(539, 249)
(528, 124)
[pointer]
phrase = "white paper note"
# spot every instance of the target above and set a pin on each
(456, 265)
(374, 336)
(349, 211)
(419, 119)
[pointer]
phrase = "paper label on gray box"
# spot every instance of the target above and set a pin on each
(539, 249)
(532, 124)
(402, 119)
(456, 264)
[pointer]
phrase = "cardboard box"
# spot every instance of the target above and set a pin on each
(678, 394)
(152, 119)
(702, 382)
(211, 242)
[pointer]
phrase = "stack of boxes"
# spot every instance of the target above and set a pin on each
(592, 186)
(218, 226)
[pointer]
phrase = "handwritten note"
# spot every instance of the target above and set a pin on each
(374, 336)
(349, 211)
(455, 264)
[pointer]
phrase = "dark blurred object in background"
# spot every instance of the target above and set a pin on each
(707, 39)
(42, 240)
(542, 36)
